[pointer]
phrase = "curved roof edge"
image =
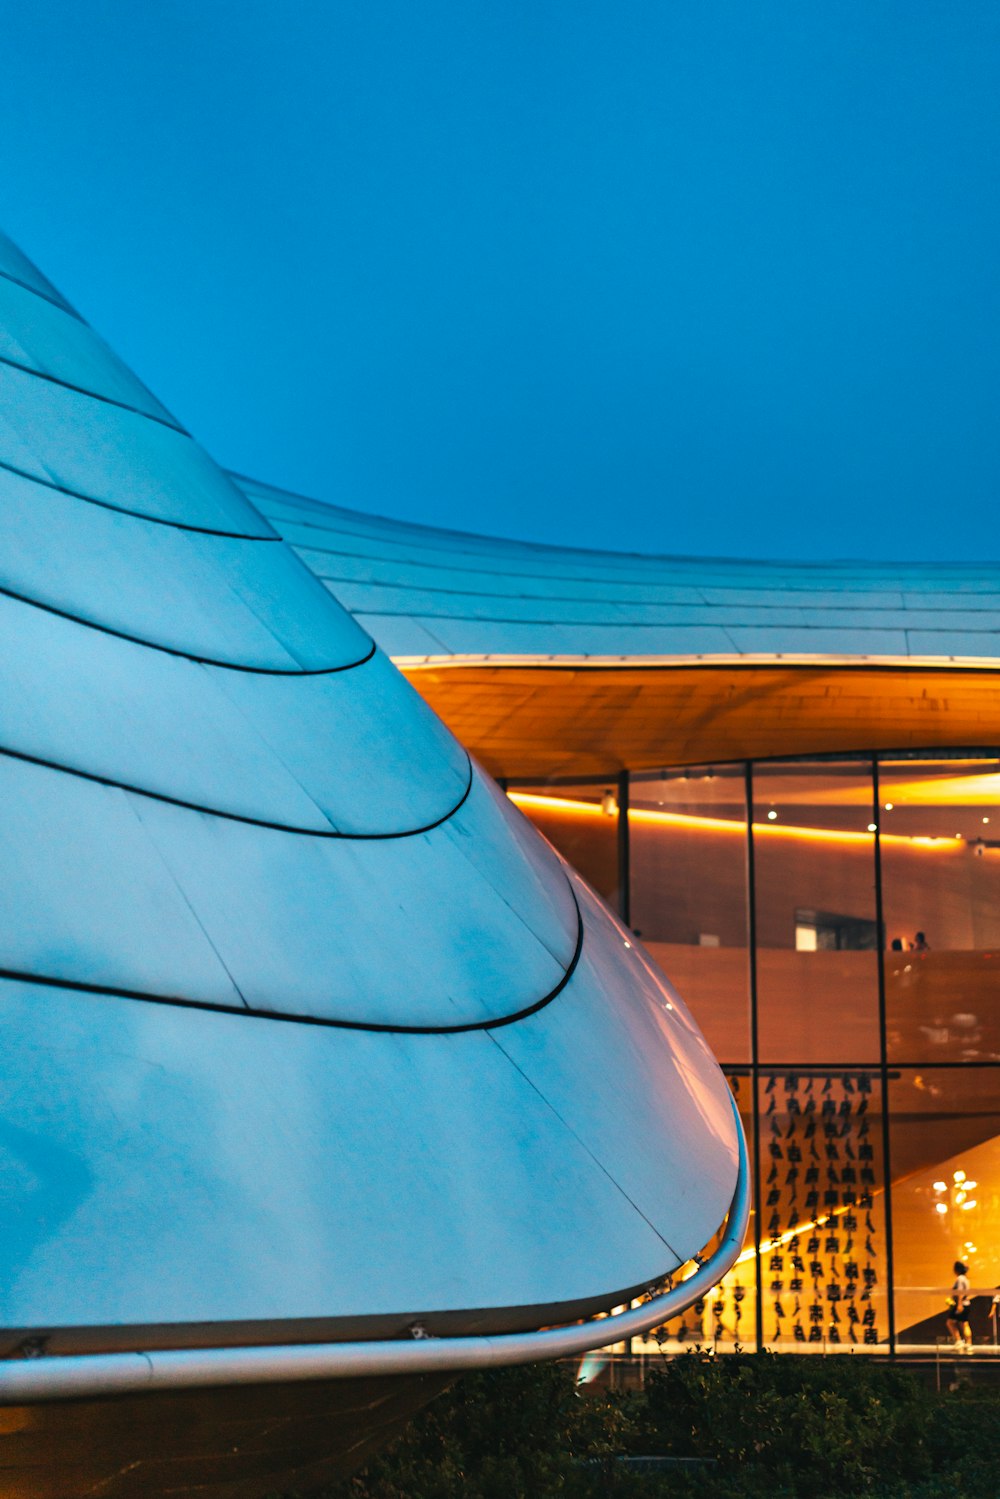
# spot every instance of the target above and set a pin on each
(550, 662)
(438, 597)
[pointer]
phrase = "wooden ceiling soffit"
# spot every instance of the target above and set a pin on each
(550, 720)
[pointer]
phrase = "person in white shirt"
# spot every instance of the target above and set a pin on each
(958, 1310)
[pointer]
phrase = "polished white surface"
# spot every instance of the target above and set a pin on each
(366, 748)
(352, 751)
(410, 931)
(649, 1076)
(431, 594)
(230, 1168)
(61, 1377)
(41, 336)
(216, 598)
(448, 927)
(213, 838)
(87, 897)
(116, 457)
(15, 264)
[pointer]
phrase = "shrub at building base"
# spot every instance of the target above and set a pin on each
(755, 1426)
(813, 1425)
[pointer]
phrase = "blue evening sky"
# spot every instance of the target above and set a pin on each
(660, 275)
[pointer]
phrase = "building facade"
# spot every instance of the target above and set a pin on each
(867, 1072)
(787, 781)
(321, 1071)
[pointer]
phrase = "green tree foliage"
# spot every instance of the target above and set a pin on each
(756, 1426)
(814, 1425)
(510, 1434)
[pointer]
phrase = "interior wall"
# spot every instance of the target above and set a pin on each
(818, 1023)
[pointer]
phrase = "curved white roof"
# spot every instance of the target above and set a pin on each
(300, 1021)
(434, 595)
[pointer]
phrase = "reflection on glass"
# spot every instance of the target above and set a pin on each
(817, 958)
(941, 900)
(689, 903)
(582, 823)
(945, 1148)
(725, 1319)
(822, 1211)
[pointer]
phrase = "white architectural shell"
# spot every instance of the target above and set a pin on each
(304, 1031)
(429, 595)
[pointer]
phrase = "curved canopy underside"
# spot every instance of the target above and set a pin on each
(548, 720)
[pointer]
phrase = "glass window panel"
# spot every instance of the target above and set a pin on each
(817, 958)
(822, 1211)
(726, 1319)
(688, 863)
(940, 846)
(945, 1153)
(581, 821)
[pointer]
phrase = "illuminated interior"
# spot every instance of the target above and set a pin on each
(761, 890)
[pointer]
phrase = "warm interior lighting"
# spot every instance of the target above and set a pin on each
(946, 790)
(584, 715)
(570, 807)
(767, 1245)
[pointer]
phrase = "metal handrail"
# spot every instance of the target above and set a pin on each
(79, 1375)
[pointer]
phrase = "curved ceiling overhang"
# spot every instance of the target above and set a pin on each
(547, 718)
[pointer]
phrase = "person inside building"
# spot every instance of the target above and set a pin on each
(958, 1310)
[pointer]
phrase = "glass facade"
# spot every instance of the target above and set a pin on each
(834, 926)
(816, 948)
(678, 823)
